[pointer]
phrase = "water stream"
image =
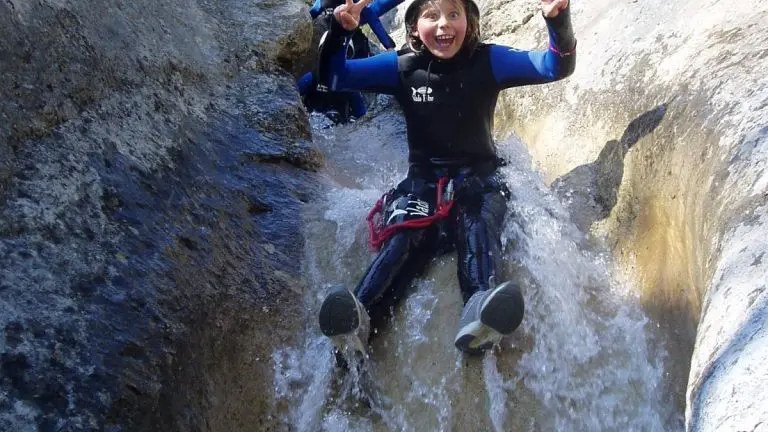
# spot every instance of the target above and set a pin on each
(585, 359)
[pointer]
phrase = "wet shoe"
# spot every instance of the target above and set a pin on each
(342, 318)
(489, 315)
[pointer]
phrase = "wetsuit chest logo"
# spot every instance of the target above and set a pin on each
(422, 94)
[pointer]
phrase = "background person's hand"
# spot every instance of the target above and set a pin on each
(551, 8)
(348, 14)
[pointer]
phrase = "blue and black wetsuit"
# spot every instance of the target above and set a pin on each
(370, 15)
(337, 106)
(448, 107)
(340, 106)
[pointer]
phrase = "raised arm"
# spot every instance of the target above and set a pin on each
(380, 7)
(513, 67)
(369, 17)
(375, 74)
(316, 8)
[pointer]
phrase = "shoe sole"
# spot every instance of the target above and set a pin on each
(503, 309)
(476, 338)
(339, 314)
(479, 336)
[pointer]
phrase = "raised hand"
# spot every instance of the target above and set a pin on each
(551, 8)
(348, 15)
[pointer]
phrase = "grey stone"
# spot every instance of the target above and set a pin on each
(153, 157)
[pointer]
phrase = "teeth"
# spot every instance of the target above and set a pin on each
(444, 37)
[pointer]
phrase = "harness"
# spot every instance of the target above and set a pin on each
(451, 172)
(380, 231)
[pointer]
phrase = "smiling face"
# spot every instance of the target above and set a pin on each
(442, 27)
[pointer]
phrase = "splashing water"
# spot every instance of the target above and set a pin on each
(584, 358)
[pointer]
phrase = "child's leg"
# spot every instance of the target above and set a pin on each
(402, 258)
(478, 242)
(493, 307)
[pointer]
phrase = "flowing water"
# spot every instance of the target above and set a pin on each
(585, 358)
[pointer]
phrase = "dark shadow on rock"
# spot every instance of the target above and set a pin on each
(590, 190)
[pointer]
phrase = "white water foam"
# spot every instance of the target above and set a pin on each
(582, 360)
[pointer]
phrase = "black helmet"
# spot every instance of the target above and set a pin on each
(412, 13)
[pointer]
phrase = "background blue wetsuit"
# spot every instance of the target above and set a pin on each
(370, 15)
(448, 107)
(340, 105)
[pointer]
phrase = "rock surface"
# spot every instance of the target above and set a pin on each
(153, 157)
(658, 142)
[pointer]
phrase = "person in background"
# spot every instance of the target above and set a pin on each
(341, 107)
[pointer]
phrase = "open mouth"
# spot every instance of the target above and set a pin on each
(444, 41)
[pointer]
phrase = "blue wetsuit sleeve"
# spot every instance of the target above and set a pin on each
(369, 17)
(305, 83)
(516, 68)
(513, 67)
(380, 7)
(373, 74)
(315, 10)
(357, 105)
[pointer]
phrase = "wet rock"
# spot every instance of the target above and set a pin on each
(673, 205)
(136, 290)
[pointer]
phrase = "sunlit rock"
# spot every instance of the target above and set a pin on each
(658, 142)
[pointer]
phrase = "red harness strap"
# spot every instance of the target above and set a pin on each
(379, 234)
